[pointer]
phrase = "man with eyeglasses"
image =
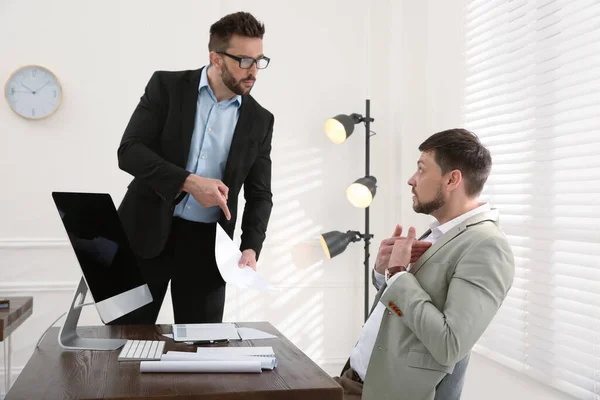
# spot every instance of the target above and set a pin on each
(195, 138)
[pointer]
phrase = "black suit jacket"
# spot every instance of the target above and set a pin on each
(155, 147)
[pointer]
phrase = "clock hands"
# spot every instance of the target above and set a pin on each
(36, 90)
(22, 84)
(40, 88)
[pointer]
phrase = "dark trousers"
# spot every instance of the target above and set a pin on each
(188, 261)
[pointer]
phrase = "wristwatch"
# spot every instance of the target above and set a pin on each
(391, 271)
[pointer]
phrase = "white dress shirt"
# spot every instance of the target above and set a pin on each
(361, 353)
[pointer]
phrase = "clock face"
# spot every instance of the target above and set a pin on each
(33, 92)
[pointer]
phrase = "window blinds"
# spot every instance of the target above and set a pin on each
(532, 94)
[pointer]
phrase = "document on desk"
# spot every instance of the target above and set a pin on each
(205, 333)
(227, 256)
(243, 333)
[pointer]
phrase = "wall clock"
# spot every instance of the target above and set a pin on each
(33, 92)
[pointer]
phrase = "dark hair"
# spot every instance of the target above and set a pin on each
(461, 149)
(239, 23)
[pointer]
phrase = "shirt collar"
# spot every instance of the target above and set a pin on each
(204, 84)
(442, 229)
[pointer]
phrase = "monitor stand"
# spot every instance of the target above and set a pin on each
(68, 338)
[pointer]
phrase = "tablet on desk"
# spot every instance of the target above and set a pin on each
(205, 333)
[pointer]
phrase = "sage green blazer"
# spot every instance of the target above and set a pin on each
(437, 313)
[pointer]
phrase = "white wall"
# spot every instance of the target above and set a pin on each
(104, 53)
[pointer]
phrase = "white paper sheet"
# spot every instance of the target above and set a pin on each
(228, 255)
(252, 334)
(170, 336)
(244, 334)
(205, 332)
(200, 366)
(265, 362)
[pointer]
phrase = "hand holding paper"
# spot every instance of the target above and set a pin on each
(228, 257)
(248, 259)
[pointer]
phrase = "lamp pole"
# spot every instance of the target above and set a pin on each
(367, 236)
(338, 129)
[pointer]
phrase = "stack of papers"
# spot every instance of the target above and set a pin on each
(214, 360)
(232, 352)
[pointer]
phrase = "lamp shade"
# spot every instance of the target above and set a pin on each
(335, 242)
(340, 127)
(361, 193)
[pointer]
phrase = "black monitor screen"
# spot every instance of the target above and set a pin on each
(100, 244)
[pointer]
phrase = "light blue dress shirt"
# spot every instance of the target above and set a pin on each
(209, 149)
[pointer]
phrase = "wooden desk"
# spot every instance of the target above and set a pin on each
(20, 308)
(52, 373)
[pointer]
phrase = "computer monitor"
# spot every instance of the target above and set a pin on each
(109, 267)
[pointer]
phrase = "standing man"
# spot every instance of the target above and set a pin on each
(435, 300)
(194, 139)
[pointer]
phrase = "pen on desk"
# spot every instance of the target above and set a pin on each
(208, 341)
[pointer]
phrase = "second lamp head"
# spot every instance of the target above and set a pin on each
(361, 193)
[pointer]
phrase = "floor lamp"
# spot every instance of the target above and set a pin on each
(360, 193)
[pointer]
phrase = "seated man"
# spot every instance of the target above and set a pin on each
(437, 295)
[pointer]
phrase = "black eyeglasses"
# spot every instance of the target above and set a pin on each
(247, 62)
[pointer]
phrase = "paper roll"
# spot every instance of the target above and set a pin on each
(265, 362)
(200, 366)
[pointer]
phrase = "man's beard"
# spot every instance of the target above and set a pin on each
(431, 206)
(233, 85)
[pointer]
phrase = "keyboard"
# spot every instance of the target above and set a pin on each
(142, 350)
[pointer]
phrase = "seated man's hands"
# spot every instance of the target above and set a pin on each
(385, 249)
(402, 251)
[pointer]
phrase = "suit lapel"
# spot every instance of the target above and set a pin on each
(241, 135)
(378, 296)
(189, 100)
(434, 248)
(454, 232)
